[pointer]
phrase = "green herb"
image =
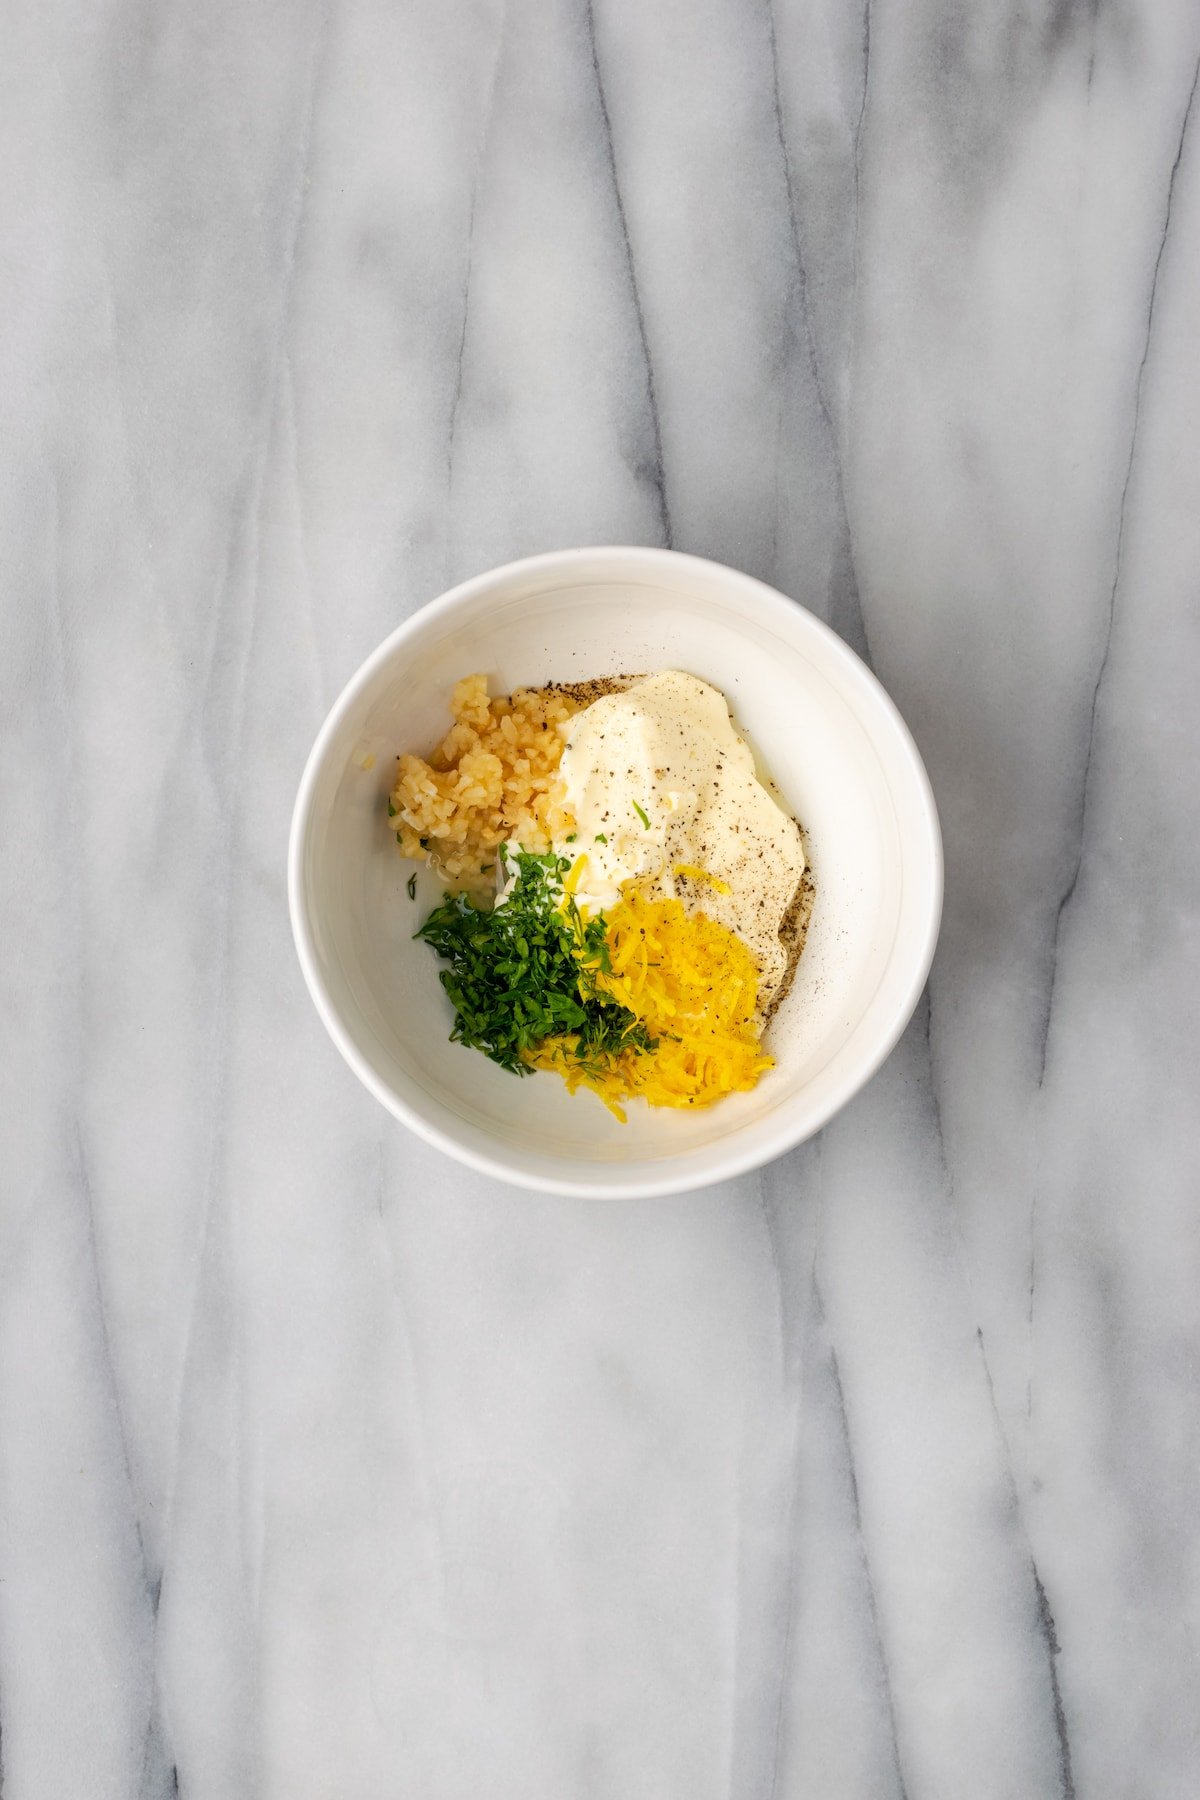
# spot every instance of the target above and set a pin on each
(571, 839)
(391, 810)
(411, 885)
(641, 815)
(600, 838)
(526, 970)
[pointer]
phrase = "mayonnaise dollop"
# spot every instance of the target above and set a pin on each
(664, 792)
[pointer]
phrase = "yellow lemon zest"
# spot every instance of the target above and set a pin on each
(696, 874)
(574, 875)
(694, 985)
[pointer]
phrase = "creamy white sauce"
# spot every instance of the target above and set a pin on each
(667, 746)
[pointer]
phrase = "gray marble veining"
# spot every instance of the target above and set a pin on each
(328, 1469)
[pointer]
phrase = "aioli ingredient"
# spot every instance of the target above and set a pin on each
(528, 970)
(694, 988)
(493, 777)
(663, 792)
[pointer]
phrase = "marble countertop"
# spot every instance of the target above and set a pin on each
(328, 1470)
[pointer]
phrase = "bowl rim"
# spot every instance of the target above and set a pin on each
(721, 1165)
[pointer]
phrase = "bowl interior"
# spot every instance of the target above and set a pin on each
(823, 732)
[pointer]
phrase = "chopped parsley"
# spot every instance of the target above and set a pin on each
(411, 885)
(641, 815)
(600, 838)
(526, 970)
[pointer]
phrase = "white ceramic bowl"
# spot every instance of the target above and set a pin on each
(819, 723)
